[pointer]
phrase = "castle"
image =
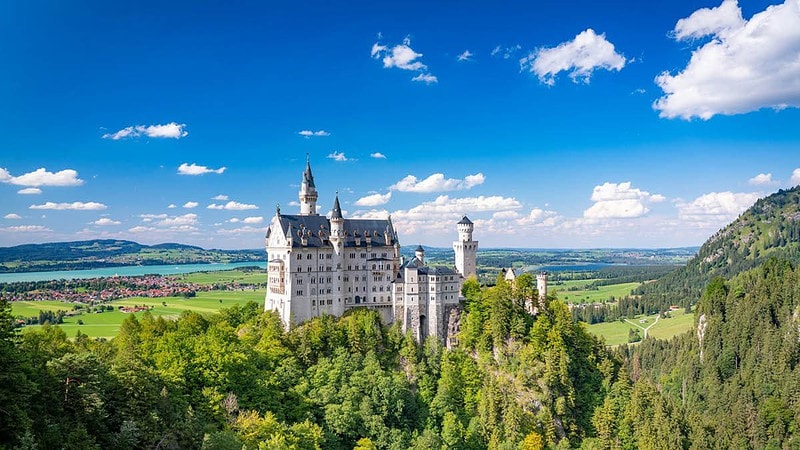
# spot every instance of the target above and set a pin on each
(319, 265)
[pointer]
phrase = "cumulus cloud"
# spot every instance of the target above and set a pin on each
(716, 208)
(761, 179)
(105, 221)
(169, 130)
(426, 78)
(309, 133)
(232, 206)
(437, 183)
(41, 177)
(402, 56)
(580, 57)
(746, 65)
(29, 191)
(620, 201)
(377, 155)
(505, 52)
(26, 229)
(338, 156)
(12, 216)
(220, 197)
(795, 178)
(151, 217)
(186, 219)
(374, 199)
(77, 206)
(241, 230)
(252, 220)
(190, 205)
(172, 206)
(194, 169)
(465, 56)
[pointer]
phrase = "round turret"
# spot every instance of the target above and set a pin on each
(420, 254)
(465, 228)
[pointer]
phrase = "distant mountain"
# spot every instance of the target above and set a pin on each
(770, 228)
(110, 252)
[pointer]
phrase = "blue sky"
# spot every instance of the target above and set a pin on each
(605, 124)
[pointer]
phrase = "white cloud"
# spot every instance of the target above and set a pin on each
(580, 57)
(746, 65)
(710, 21)
(41, 177)
(233, 206)
(761, 179)
(172, 206)
(142, 229)
(169, 130)
(29, 191)
(234, 220)
(620, 201)
(245, 229)
(403, 57)
(26, 229)
(377, 155)
(437, 183)
(716, 208)
(465, 56)
(252, 220)
(426, 78)
(190, 205)
(338, 156)
(309, 133)
(186, 219)
(374, 199)
(194, 169)
(507, 52)
(104, 221)
(220, 197)
(151, 217)
(78, 206)
(12, 216)
(795, 179)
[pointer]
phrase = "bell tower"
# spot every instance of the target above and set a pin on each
(466, 249)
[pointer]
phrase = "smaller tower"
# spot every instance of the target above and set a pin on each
(541, 287)
(420, 254)
(308, 193)
(465, 249)
(337, 221)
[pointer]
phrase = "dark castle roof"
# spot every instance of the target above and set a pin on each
(465, 221)
(311, 226)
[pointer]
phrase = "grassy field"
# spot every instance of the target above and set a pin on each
(616, 333)
(107, 324)
(226, 277)
(602, 294)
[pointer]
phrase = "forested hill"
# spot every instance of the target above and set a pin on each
(110, 252)
(770, 228)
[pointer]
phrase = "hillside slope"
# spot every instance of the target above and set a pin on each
(111, 252)
(770, 228)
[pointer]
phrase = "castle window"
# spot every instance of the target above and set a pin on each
(330, 301)
(299, 256)
(374, 255)
(309, 268)
(313, 280)
(299, 269)
(313, 303)
(383, 254)
(373, 299)
(308, 256)
(328, 256)
(374, 289)
(363, 255)
(299, 292)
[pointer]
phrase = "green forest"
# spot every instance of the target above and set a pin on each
(238, 380)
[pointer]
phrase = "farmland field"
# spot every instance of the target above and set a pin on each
(616, 333)
(107, 324)
(601, 294)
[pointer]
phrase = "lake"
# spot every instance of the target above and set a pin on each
(171, 269)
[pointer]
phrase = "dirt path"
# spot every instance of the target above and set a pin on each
(643, 328)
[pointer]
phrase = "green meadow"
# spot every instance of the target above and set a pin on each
(226, 277)
(601, 294)
(616, 333)
(106, 324)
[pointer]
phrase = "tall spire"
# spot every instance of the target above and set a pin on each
(337, 210)
(308, 177)
(308, 192)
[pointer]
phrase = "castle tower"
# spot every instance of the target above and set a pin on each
(465, 248)
(337, 223)
(308, 193)
(541, 286)
(420, 254)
